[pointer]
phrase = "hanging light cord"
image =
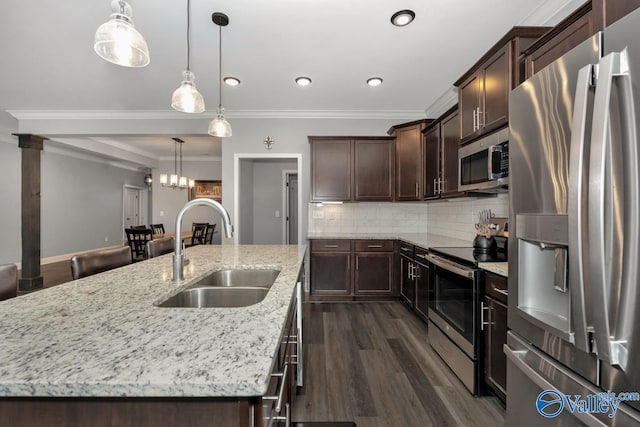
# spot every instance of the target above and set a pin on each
(220, 56)
(188, 33)
(175, 157)
(180, 160)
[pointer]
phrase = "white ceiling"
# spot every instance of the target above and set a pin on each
(47, 61)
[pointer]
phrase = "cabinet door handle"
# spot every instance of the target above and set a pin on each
(482, 310)
(374, 246)
(330, 246)
(417, 276)
(474, 120)
(405, 249)
(421, 256)
(357, 263)
(435, 186)
(417, 195)
(283, 384)
(411, 276)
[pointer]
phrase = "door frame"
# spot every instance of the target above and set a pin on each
(142, 204)
(285, 204)
(236, 184)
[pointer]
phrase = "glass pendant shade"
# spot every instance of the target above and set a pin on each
(219, 126)
(118, 42)
(164, 179)
(187, 98)
(173, 180)
(192, 183)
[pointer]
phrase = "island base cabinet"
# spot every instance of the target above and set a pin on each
(124, 412)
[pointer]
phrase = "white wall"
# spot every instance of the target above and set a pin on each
(11, 247)
(267, 199)
(81, 203)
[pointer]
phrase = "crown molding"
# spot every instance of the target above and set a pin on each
(64, 150)
(233, 114)
(193, 159)
(551, 12)
(442, 104)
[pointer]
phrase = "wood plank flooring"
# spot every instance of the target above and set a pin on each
(370, 363)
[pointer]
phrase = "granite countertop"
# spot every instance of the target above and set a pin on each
(500, 268)
(425, 240)
(103, 336)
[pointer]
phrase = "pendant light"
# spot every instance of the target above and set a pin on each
(117, 40)
(175, 180)
(219, 126)
(187, 98)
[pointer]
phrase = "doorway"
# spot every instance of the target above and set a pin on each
(259, 210)
(290, 207)
(134, 201)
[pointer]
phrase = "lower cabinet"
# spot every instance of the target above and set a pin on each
(414, 282)
(345, 270)
(494, 329)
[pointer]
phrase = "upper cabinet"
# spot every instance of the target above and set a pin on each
(352, 169)
(409, 160)
(483, 91)
(441, 143)
(590, 18)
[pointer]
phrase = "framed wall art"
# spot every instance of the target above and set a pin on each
(206, 189)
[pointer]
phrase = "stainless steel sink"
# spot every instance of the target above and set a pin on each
(203, 297)
(249, 277)
(225, 288)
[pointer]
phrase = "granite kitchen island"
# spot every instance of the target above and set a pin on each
(101, 345)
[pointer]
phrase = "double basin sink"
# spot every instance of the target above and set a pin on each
(225, 288)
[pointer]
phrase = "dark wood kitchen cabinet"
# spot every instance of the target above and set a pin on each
(352, 169)
(373, 269)
(494, 330)
(441, 143)
(483, 92)
(352, 270)
(331, 169)
(330, 267)
(409, 159)
(414, 278)
(373, 172)
(584, 22)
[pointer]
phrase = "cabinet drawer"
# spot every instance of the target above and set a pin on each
(374, 245)
(406, 249)
(331, 245)
(421, 254)
(496, 287)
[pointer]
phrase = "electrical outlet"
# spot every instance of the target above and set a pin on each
(318, 214)
(277, 214)
(161, 213)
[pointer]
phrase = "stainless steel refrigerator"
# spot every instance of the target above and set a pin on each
(574, 252)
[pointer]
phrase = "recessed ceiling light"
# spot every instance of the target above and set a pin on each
(374, 81)
(303, 81)
(403, 18)
(231, 81)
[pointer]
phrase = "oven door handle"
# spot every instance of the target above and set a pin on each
(451, 266)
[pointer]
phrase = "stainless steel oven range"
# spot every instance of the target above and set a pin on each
(454, 309)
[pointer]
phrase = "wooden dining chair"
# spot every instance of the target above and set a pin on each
(194, 224)
(8, 281)
(208, 237)
(137, 239)
(199, 232)
(157, 228)
(95, 262)
(160, 246)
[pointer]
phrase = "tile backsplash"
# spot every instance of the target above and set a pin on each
(452, 218)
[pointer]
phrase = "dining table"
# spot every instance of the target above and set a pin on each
(184, 235)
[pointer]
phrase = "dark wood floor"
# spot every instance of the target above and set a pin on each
(370, 363)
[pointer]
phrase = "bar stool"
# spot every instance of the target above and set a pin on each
(95, 262)
(160, 246)
(8, 281)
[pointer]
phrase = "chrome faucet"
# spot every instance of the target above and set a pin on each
(178, 256)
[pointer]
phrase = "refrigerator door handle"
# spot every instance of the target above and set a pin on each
(577, 221)
(613, 211)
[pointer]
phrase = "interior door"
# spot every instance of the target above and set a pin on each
(292, 209)
(131, 209)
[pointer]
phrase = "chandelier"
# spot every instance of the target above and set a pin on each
(174, 180)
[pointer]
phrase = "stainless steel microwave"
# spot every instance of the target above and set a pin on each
(484, 164)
